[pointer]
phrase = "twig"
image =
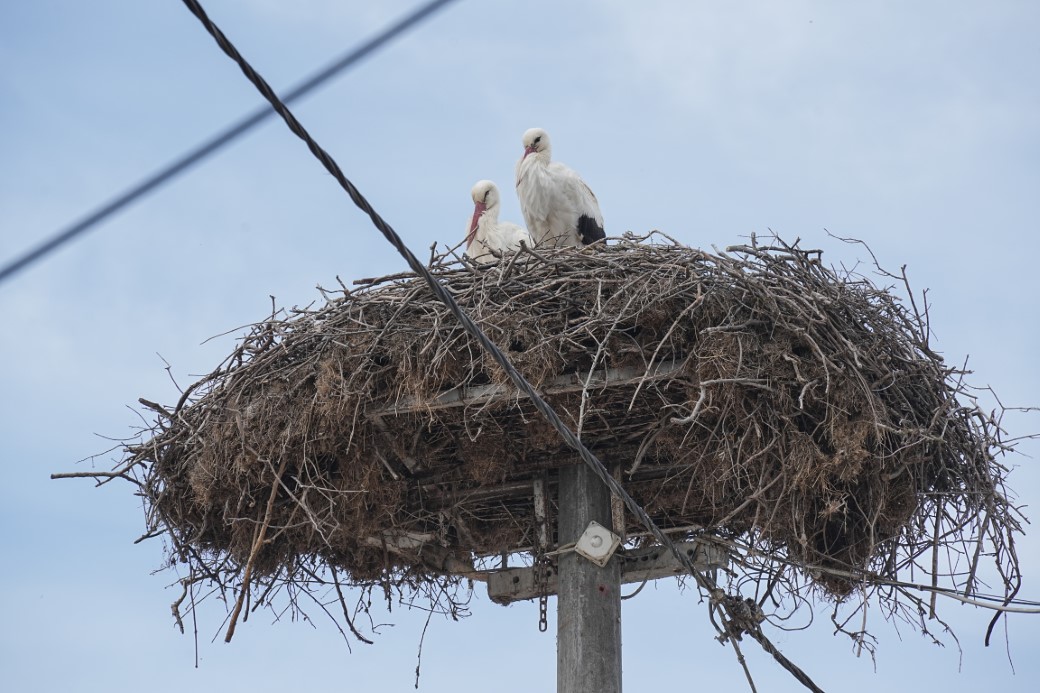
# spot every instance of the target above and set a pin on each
(261, 535)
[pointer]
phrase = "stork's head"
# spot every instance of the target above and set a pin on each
(536, 141)
(485, 197)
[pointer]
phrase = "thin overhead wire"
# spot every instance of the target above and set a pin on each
(445, 297)
(218, 141)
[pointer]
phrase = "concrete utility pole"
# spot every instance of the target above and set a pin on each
(588, 635)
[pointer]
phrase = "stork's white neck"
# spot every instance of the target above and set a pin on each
(487, 223)
(535, 164)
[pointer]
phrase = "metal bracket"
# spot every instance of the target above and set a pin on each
(518, 584)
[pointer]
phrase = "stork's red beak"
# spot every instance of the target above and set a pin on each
(478, 210)
(529, 149)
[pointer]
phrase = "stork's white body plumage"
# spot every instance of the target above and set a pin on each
(486, 235)
(559, 208)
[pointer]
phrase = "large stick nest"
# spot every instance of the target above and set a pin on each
(756, 396)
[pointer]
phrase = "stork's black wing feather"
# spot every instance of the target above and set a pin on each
(589, 230)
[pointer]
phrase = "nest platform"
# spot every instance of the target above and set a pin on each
(754, 395)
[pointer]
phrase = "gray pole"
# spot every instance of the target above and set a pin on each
(588, 634)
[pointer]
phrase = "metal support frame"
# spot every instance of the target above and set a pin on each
(652, 563)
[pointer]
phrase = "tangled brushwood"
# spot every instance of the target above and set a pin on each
(757, 398)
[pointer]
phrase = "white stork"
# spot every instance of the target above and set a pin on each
(486, 233)
(558, 206)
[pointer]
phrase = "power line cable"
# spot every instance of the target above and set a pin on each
(521, 383)
(218, 141)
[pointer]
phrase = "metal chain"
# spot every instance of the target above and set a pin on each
(541, 567)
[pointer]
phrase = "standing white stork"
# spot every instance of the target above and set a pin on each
(486, 233)
(558, 206)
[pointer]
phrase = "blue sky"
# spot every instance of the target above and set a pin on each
(912, 126)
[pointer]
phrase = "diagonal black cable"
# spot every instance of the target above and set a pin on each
(217, 141)
(442, 294)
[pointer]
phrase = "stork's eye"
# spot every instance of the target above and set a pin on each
(537, 139)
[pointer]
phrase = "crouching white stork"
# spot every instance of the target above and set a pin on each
(486, 233)
(558, 206)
